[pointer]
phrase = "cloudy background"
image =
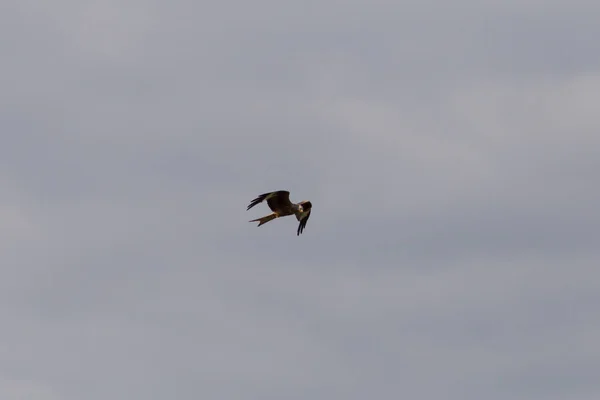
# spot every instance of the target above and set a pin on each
(451, 151)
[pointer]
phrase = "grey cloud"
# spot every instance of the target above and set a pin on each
(450, 154)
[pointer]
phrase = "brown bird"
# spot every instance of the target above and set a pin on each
(279, 202)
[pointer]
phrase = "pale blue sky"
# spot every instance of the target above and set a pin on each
(451, 153)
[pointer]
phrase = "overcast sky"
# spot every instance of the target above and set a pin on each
(451, 151)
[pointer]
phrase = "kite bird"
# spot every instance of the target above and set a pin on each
(279, 202)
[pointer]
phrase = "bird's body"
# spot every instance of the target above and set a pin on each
(279, 202)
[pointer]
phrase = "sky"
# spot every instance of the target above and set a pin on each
(451, 153)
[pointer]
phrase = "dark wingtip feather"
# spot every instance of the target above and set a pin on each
(257, 200)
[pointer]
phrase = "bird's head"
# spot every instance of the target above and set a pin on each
(305, 205)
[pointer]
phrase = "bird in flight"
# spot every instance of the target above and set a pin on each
(279, 202)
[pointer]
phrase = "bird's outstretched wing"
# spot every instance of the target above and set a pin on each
(303, 223)
(276, 200)
(303, 218)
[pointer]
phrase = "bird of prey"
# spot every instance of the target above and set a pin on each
(279, 202)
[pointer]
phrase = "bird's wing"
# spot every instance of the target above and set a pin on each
(303, 218)
(276, 200)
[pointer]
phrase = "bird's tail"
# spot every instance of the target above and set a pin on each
(265, 219)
